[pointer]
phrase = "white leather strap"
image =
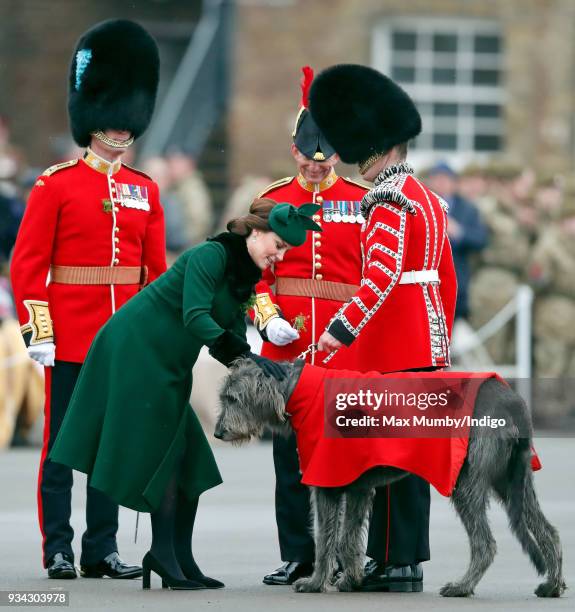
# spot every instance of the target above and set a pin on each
(419, 276)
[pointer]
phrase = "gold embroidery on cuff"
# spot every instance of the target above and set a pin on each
(264, 311)
(40, 323)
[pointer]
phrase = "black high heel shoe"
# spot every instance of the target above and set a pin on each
(150, 564)
(209, 583)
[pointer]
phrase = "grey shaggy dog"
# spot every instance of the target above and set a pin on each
(496, 464)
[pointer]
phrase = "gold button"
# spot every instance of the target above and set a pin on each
(116, 261)
(117, 250)
(318, 264)
(319, 276)
(116, 229)
(316, 217)
(317, 243)
(116, 239)
(319, 199)
(318, 256)
(116, 209)
(316, 234)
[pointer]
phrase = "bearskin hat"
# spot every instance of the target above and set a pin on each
(307, 137)
(362, 112)
(113, 80)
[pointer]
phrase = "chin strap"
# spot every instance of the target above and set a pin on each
(115, 144)
(136, 530)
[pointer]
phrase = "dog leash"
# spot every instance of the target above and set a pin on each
(312, 348)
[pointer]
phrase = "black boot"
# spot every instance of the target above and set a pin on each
(380, 576)
(61, 566)
(288, 573)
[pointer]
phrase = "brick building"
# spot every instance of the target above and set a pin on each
(489, 76)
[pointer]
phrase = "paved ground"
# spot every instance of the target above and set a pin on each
(236, 541)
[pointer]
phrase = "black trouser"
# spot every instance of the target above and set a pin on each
(55, 484)
(399, 526)
(293, 511)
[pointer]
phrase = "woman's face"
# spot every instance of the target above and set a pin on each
(265, 248)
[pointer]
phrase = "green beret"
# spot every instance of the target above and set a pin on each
(290, 223)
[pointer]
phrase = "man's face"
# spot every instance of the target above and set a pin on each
(313, 171)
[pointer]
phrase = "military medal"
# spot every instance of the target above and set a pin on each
(349, 218)
(336, 217)
(357, 212)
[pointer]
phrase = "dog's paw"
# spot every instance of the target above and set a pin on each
(550, 589)
(347, 583)
(453, 589)
(308, 585)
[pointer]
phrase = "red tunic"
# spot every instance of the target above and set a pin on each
(331, 255)
(69, 221)
(406, 230)
(337, 461)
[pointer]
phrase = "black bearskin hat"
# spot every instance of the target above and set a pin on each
(306, 135)
(362, 112)
(113, 80)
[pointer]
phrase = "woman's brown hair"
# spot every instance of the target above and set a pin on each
(257, 218)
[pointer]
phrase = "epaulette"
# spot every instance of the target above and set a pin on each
(356, 183)
(137, 171)
(57, 167)
(275, 184)
(385, 193)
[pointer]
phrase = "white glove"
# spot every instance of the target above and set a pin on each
(280, 332)
(44, 354)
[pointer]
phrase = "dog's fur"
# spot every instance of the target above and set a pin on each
(497, 463)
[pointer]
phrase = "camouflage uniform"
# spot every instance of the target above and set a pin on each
(501, 269)
(552, 273)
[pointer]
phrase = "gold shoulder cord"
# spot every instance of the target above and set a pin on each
(278, 183)
(56, 167)
(39, 323)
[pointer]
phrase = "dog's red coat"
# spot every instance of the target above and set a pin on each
(333, 462)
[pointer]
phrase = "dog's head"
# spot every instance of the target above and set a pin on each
(249, 401)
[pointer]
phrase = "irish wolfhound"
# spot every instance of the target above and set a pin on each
(497, 464)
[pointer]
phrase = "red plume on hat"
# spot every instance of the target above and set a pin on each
(306, 80)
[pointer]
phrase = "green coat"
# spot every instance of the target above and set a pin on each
(129, 422)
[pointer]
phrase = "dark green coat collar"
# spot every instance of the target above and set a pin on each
(241, 271)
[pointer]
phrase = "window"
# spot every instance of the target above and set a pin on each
(453, 69)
